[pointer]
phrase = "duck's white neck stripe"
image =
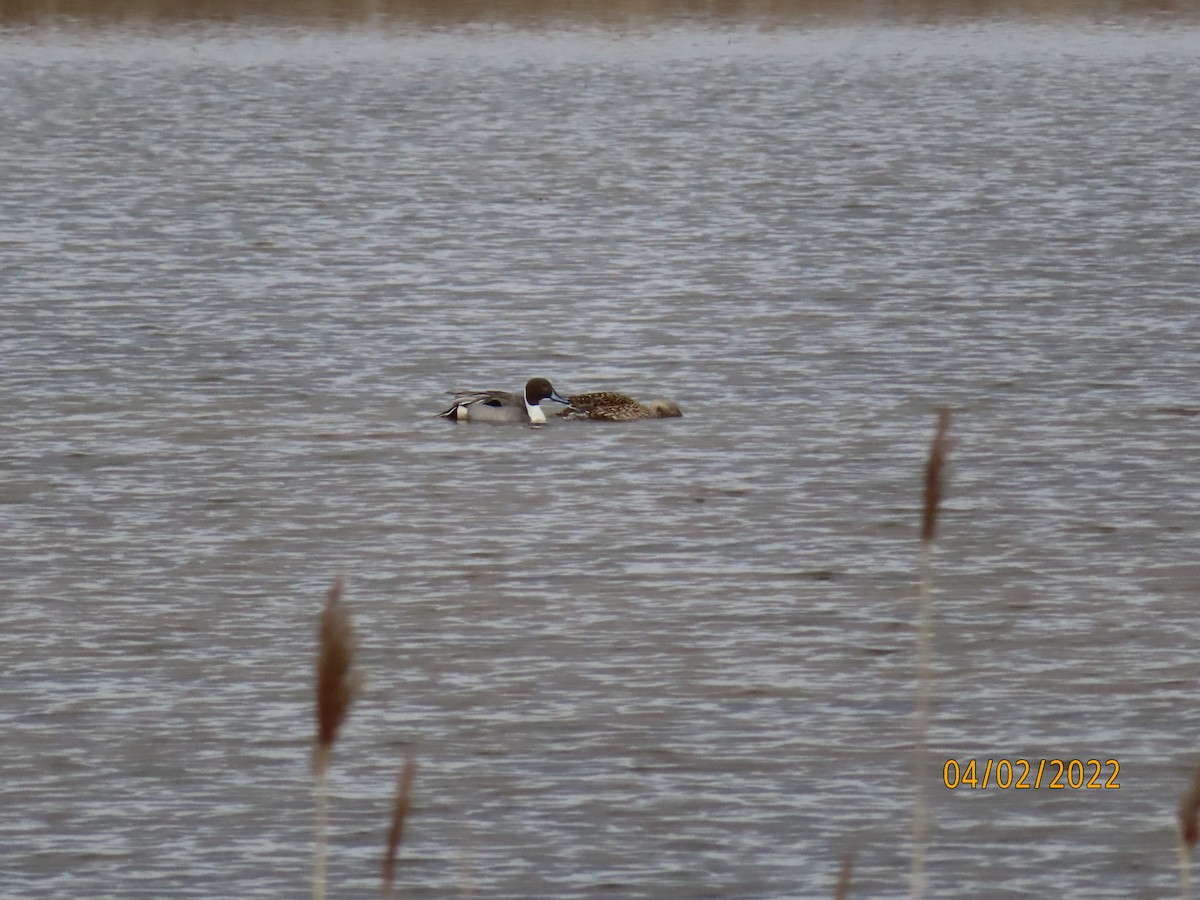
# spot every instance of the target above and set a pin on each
(536, 416)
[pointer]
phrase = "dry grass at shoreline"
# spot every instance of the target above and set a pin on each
(577, 12)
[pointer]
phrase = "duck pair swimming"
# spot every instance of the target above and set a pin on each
(501, 406)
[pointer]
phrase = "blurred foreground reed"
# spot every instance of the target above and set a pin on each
(934, 476)
(337, 686)
(396, 831)
(1189, 831)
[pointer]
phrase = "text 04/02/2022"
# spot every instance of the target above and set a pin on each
(1022, 774)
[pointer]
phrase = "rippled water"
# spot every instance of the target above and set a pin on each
(240, 268)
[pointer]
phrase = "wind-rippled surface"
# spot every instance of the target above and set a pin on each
(241, 268)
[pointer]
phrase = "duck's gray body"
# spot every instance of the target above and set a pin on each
(501, 407)
(609, 406)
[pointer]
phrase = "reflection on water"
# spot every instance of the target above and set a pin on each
(241, 268)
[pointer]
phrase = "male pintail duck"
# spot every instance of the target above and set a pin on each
(608, 406)
(501, 406)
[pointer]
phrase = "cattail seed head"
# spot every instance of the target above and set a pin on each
(1189, 808)
(396, 832)
(933, 476)
(337, 682)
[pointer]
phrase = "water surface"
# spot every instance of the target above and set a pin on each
(239, 269)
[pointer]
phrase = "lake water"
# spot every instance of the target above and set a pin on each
(241, 266)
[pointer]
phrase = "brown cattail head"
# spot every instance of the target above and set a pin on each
(933, 475)
(845, 875)
(396, 832)
(337, 683)
(1189, 807)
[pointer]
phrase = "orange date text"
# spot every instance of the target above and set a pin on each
(1027, 774)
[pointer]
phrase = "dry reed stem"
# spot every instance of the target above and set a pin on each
(1189, 832)
(321, 790)
(337, 684)
(842, 891)
(933, 499)
(396, 833)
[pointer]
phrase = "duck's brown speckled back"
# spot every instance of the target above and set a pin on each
(609, 406)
